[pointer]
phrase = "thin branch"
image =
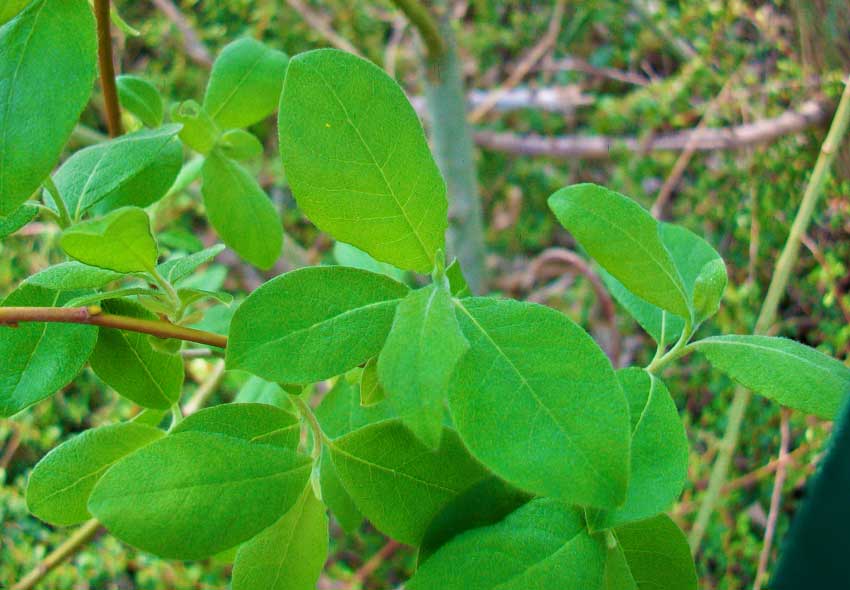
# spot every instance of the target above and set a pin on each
(552, 99)
(421, 18)
(107, 68)
(775, 292)
(809, 114)
(92, 315)
(72, 544)
(321, 25)
(205, 389)
(374, 562)
(775, 500)
(11, 446)
(195, 49)
(576, 64)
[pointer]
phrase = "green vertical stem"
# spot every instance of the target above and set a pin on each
(767, 315)
(453, 147)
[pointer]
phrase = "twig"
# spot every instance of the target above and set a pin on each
(837, 290)
(775, 292)
(547, 41)
(205, 389)
(765, 470)
(576, 64)
(320, 25)
(107, 68)
(682, 49)
(11, 446)
(553, 99)
(195, 49)
(374, 562)
(92, 315)
(421, 18)
(775, 501)
(807, 115)
(72, 544)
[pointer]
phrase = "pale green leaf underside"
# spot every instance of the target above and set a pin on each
(357, 160)
(120, 241)
(17, 219)
(141, 98)
(73, 275)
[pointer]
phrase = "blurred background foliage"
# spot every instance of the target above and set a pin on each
(639, 68)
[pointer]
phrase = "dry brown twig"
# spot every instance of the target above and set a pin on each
(321, 24)
(193, 45)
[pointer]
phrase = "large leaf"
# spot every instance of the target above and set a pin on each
(536, 400)
(356, 158)
(134, 169)
(39, 358)
(397, 482)
(786, 371)
(17, 219)
(120, 241)
(421, 351)
(255, 423)
(319, 321)
(659, 451)
(245, 83)
(624, 238)
(141, 98)
(194, 494)
(73, 275)
(60, 485)
(290, 554)
(240, 211)
(47, 69)
(650, 555)
(129, 363)
(543, 544)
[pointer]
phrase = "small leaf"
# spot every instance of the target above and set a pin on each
(259, 391)
(659, 451)
(371, 390)
(357, 160)
(398, 483)
(348, 255)
(120, 241)
(341, 412)
(624, 238)
(255, 423)
(178, 268)
(649, 316)
(39, 358)
(336, 497)
(290, 554)
(126, 292)
(128, 363)
(245, 83)
(421, 351)
(49, 52)
(74, 275)
(236, 489)
(134, 169)
(17, 219)
(60, 484)
(531, 369)
(141, 98)
(241, 212)
(783, 370)
(240, 145)
(708, 288)
(322, 320)
(457, 281)
(649, 555)
(543, 544)
(199, 131)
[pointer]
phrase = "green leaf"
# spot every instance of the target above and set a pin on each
(181, 267)
(290, 554)
(120, 241)
(17, 219)
(457, 281)
(322, 320)
(646, 314)
(421, 351)
(199, 131)
(10, 8)
(649, 555)
(341, 412)
(60, 485)
(128, 363)
(348, 255)
(194, 494)
(695, 258)
(141, 98)
(659, 451)
(245, 83)
(240, 145)
(397, 482)
(259, 391)
(241, 212)
(544, 544)
(485, 503)
(786, 371)
(371, 390)
(48, 70)
(532, 370)
(336, 497)
(134, 169)
(624, 238)
(74, 275)
(39, 358)
(126, 292)
(357, 160)
(255, 423)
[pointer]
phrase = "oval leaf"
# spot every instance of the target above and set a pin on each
(73, 275)
(532, 369)
(120, 241)
(141, 98)
(356, 158)
(255, 423)
(323, 321)
(17, 219)
(194, 494)
(48, 70)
